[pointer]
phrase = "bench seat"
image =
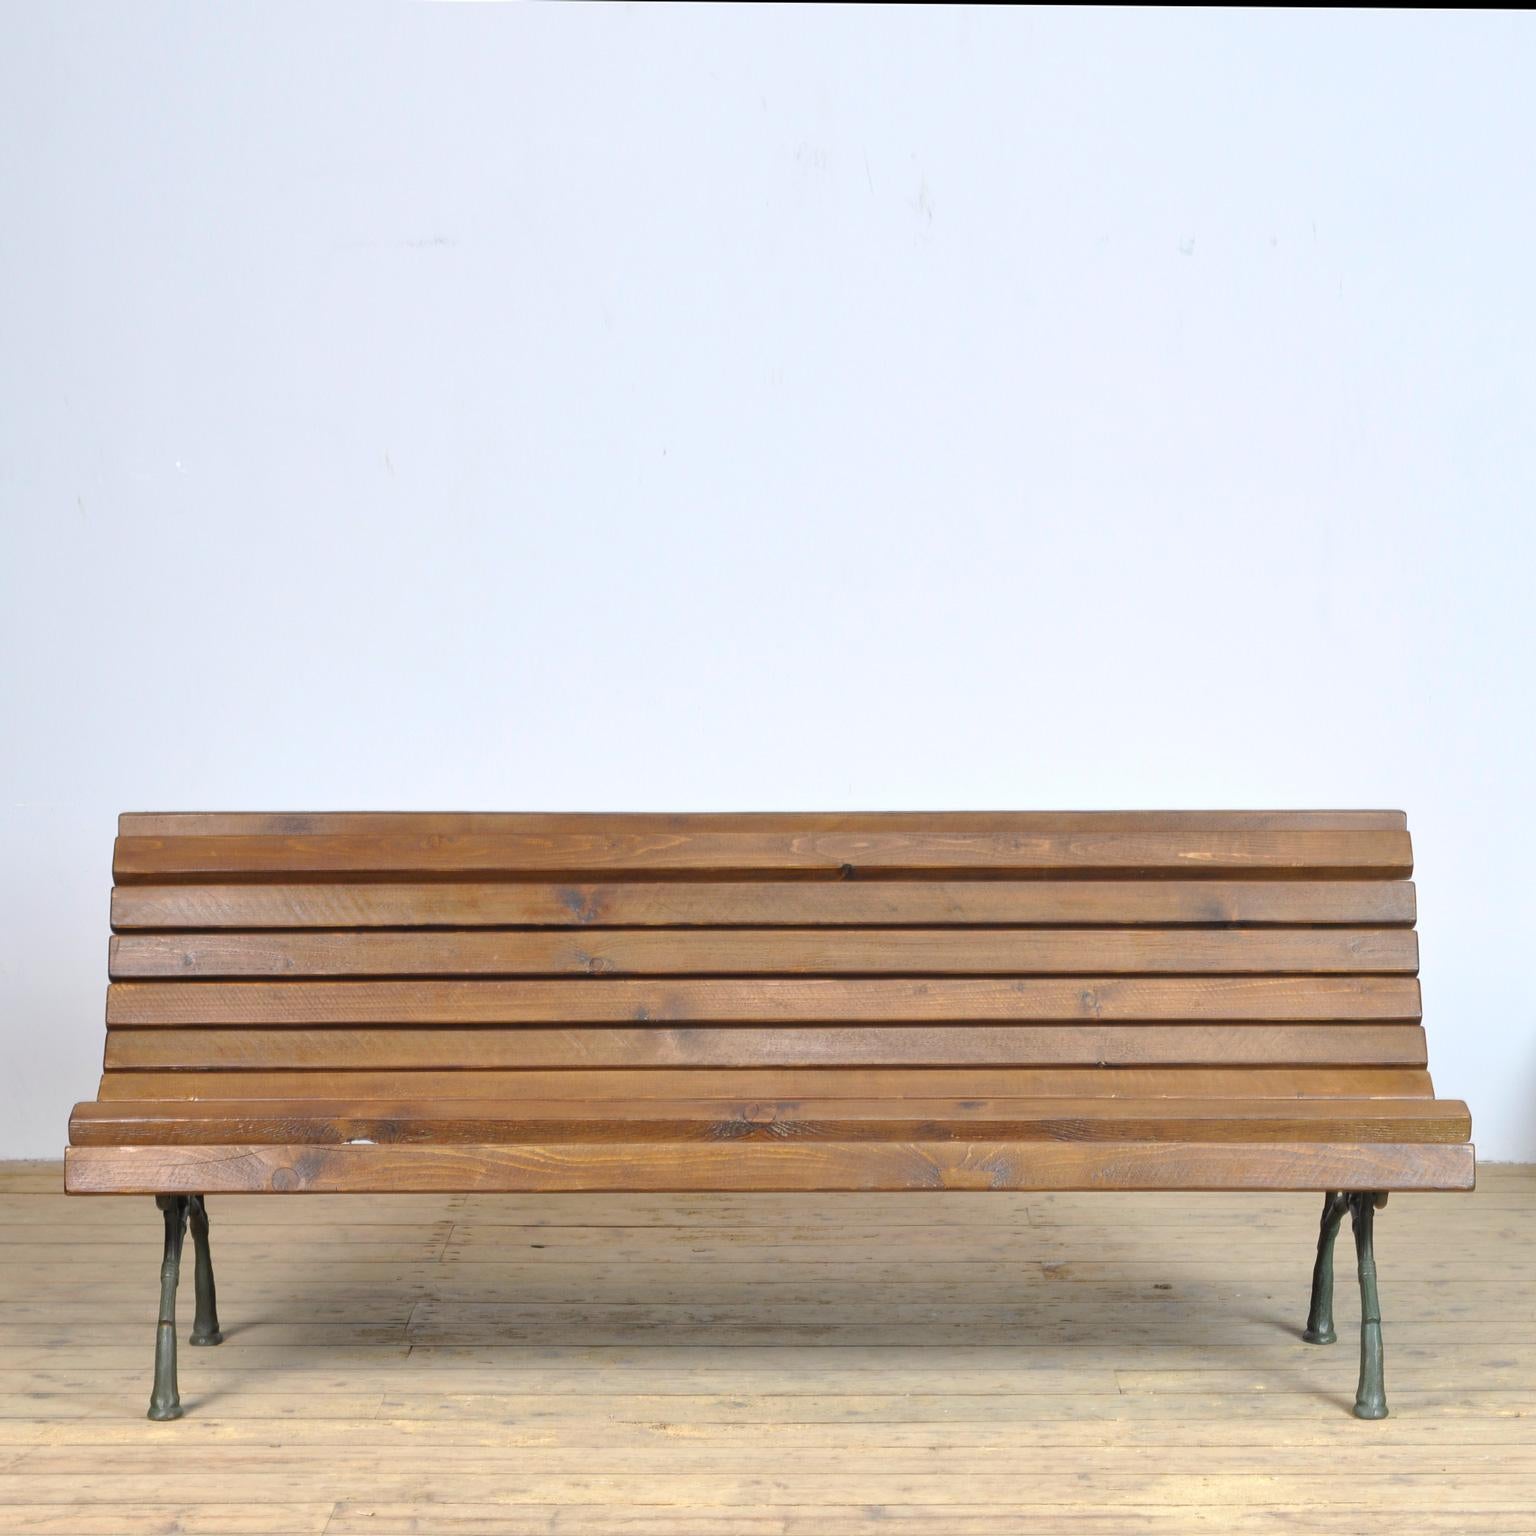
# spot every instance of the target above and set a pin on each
(339, 1122)
(696, 1145)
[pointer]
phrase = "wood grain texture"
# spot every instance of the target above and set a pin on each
(808, 1045)
(880, 1000)
(675, 1167)
(794, 951)
(1195, 853)
(775, 1000)
(762, 903)
(893, 1082)
(436, 1121)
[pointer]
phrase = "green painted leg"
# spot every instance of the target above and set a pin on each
(165, 1400)
(1370, 1395)
(1320, 1315)
(205, 1327)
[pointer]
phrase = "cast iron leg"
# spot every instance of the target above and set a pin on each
(165, 1401)
(205, 1327)
(1370, 1395)
(1320, 1315)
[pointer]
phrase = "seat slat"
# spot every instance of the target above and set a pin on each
(1192, 853)
(683, 1167)
(807, 1045)
(894, 1082)
(705, 1119)
(764, 953)
(775, 1000)
(764, 903)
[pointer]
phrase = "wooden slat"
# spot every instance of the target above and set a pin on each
(766, 1083)
(480, 823)
(430, 1121)
(706, 1046)
(1179, 854)
(686, 1167)
(771, 1001)
(764, 903)
(804, 951)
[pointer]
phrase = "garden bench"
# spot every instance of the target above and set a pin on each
(960, 1001)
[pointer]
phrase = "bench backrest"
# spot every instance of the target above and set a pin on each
(417, 957)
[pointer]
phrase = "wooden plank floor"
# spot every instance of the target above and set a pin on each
(707, 1366)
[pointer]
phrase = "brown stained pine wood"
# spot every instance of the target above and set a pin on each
(674, 1167)
(798, 951)
(764, 903)
(1258, 1083)
(1077, 997)
(1178, 854)
(776, 1000)
(495, 1120)
(479, 823)
(803, 1045)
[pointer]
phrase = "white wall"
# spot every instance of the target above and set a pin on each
(524, 407)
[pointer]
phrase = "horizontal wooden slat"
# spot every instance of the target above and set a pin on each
(688, 1167)
(640, 823)
(645, 1085)
(789, 951)
(809, 1045)
(771, 1001)
(1177, 854)
(428, 1121)
(764, 903)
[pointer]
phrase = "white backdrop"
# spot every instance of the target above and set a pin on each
(518, 407)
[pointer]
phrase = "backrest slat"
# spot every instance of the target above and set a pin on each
(1183, 854)
(599, 1084)
(768, 904)
(770, 952)
(772, 1000)
(348, 1049)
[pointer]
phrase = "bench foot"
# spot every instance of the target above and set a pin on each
(1319, 1328)
(205, 1326)
(1370, 1395)
(165, 1400)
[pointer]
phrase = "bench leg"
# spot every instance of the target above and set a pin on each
(1320, 1314)
(1370, 1395)
(165, 1400)
(205, 1327)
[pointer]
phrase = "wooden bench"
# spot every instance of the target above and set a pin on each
(1159, 1001)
